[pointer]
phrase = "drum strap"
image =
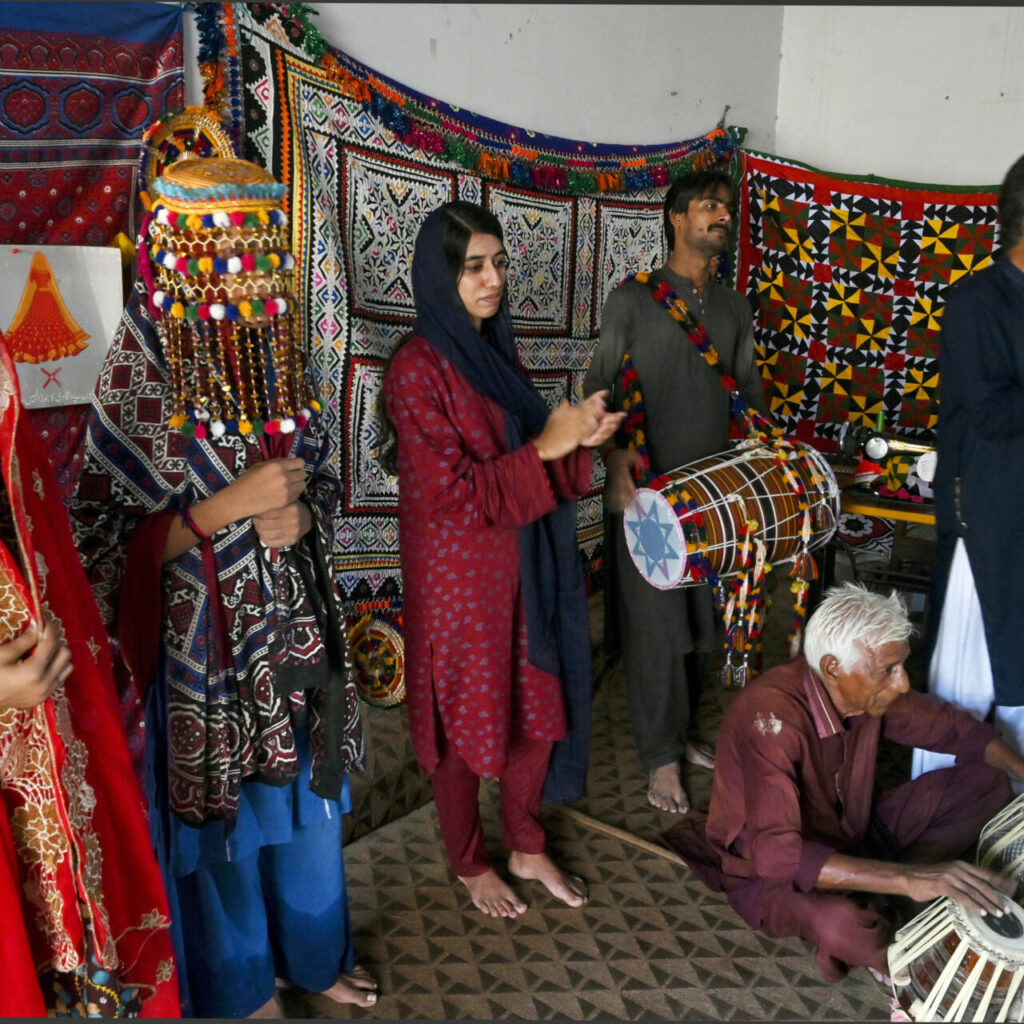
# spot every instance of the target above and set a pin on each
(751, 422)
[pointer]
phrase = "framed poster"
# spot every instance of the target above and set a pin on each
(59, 308)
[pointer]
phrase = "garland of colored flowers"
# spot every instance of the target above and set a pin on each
(636, 418)
(745, 606)
(430, 131)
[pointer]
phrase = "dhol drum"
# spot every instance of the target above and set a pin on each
(954, 964)
(702, 509)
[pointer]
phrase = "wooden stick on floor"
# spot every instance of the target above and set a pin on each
(627, 837)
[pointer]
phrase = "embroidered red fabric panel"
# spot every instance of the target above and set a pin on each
(79, 83)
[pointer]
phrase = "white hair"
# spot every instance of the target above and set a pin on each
(851, 618)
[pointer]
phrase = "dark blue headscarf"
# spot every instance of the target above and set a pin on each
(554, 593)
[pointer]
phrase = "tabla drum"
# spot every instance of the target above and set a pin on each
(1001, 844)
(953, 964)
(702, 508)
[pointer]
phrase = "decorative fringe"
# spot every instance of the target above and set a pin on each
(426, 129)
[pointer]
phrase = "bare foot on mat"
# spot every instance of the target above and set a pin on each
(570, 889)
(355, 986)
(665, 790)
(493, 895)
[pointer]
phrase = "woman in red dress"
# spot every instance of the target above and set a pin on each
(497, 640)
(84, 919)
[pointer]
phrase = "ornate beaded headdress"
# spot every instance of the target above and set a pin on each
(215, 258)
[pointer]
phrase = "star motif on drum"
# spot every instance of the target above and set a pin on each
(652, 541)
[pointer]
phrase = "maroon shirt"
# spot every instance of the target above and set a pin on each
(462, 499)
(794, 780)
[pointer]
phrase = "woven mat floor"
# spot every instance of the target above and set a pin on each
(652, 944)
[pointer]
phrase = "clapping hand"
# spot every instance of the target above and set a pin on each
(569, 427)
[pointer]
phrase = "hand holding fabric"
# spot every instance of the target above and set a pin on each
(27, 676)
(282, 527)
(265, 487)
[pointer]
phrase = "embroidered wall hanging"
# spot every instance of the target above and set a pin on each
(78, 84)
(366, 160)
(848, 278)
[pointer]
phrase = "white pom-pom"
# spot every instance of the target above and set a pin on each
(169, 260)
(162, 216)
(287, 425)
(202, 415)
(217, 428)
(158, 298)
(234, 264)
(288, 262)
(221, 219)
(217, 311)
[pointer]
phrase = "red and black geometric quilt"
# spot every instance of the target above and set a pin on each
(848, 279)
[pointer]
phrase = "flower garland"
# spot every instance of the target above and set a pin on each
(429, 130)
(633, 427)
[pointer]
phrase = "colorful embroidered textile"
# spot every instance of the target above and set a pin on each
(72, 829)
(78, 84)
(849, 277)
(360, 194)
(248, 668)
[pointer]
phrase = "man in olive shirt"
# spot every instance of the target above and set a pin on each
(794, 834)
(687, 414)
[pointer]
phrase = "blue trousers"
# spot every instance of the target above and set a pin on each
(280, 912)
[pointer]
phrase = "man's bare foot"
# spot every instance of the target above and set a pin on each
(355, 986)
(700, 754)
(665, 790)
(569, 889)
(492, 894)
(270, 1010)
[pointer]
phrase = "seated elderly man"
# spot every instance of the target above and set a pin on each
(794, 835)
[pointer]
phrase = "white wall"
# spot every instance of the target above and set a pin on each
(922, 93)
(926, 94)
(623, 73)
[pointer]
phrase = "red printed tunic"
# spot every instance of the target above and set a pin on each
(462, 498)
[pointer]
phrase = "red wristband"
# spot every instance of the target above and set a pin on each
(186, 518)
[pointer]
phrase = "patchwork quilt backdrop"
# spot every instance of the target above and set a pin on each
(848, 277)
(359, 194)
